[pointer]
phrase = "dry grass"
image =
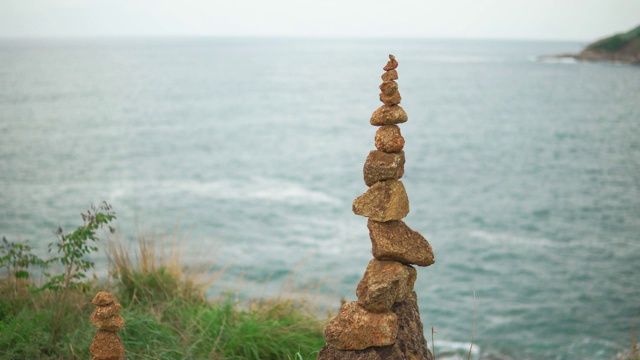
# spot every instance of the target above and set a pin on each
(151, 269)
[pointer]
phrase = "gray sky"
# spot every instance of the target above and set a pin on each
(499, 19)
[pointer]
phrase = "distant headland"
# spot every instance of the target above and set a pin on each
(619, 48)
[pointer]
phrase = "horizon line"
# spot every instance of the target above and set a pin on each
(286, 36)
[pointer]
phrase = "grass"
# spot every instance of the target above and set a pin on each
(166, 312)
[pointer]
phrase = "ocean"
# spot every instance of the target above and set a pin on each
(524, 175)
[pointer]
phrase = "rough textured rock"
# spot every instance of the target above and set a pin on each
(389, 100)
(411, 340)
(390, 75)
(103, 298)
(395, 241)
(106, 311)
(389, 139)
(384, 201)
(114, 323)
(107, 345)
(389, 87)
(385, 283)
(384, 324)
(410, 343)
(392, 352)
(356, 328)
(381, 166)
(391, 64)
(388, 115)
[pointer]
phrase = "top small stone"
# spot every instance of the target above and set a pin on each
(391, 64)
(103, 298)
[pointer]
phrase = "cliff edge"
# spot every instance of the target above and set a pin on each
(621, 48)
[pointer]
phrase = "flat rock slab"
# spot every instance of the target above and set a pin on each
(356, 328)
(410, 343)
(388, 115)
(384, 201)
(381, 166)
(395, 241)
(385, 283)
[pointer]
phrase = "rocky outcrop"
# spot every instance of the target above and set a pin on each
(619, 48)
(356, 328)
(410, 343)
(622, 48)
(106, 344)
(384, 323)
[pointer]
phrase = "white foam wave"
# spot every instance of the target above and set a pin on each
(273, 190)
(506, 239)
(454, 350)
(556, 60)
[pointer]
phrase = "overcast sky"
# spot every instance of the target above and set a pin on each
(487, 19)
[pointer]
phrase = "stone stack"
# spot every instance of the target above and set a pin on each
(106, 344)
(384, 323)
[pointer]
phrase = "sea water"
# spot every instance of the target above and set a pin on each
(523, 174)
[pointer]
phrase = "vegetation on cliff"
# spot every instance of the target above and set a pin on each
(167, 314)
(624, 47)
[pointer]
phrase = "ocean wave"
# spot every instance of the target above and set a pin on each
(555, 59)
(265, 189)
(505, 239)
(454, 350)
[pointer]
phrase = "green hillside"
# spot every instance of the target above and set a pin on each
(623, 47)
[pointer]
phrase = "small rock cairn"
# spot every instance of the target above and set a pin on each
(385, 322)
(106, 344)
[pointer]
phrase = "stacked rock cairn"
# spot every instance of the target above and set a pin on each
(384, 323)
(106, 344)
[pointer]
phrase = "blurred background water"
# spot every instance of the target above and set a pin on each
(523, 174)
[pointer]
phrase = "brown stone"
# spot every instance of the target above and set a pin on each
(411, 339)
(103, 298)
(385, 283)
(389, 139)
(391, 64)
(106, 311)
(395, 241)
(410, 343)
(388, 115)
(390, 100)
(107, 345)
(383, 201)
(389, 87)
(356, 328)
(381, 166)
(113, 323)
(390, 75)
(391, 352)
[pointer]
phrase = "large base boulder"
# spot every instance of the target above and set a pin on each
(410, 343)
(355, 328)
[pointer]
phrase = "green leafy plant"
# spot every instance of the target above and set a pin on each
(16, 257)
(76, 246)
